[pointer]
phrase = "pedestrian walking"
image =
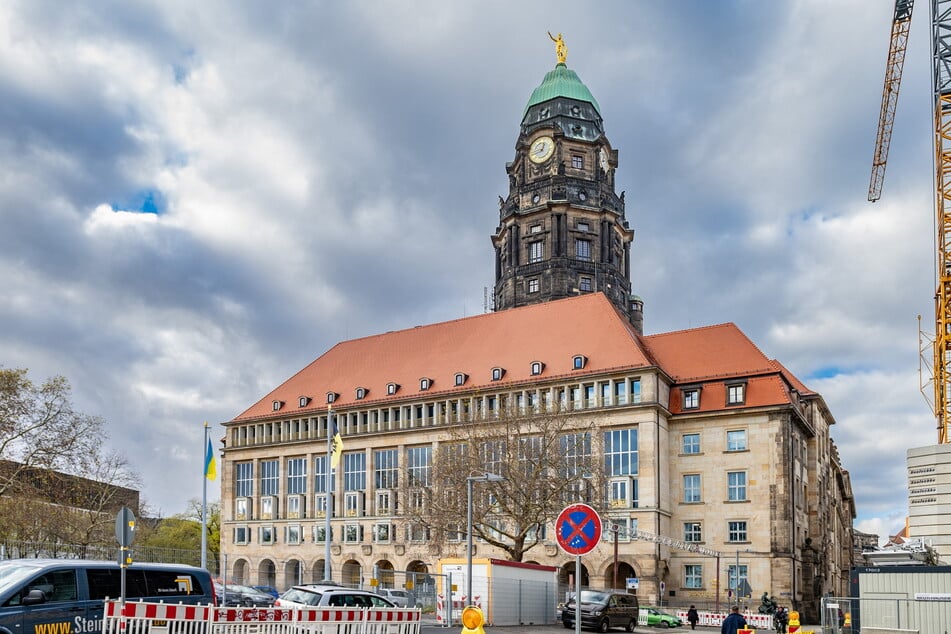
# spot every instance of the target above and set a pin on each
(692, 617)
(733, 622)
(781, 619)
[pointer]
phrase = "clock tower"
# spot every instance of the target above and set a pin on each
(562, 230)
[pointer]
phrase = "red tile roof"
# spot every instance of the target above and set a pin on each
(553, 333)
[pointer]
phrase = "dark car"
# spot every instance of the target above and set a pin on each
(242, 596)
(271, 590)
(602, 610)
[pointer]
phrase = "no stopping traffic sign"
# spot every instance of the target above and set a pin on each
(578, 529)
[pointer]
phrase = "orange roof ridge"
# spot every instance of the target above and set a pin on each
(792, 378)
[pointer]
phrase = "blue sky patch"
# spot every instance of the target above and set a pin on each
(147, 201)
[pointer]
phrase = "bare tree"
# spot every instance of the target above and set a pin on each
(546, 460)
(39, 427)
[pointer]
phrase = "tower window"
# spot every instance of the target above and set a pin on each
(583, 226)
(583, 250)
(533, 285)
(536, 198)
(536, 251)
(585, 285)
(577, 161)
(536, 229)
(582, 195)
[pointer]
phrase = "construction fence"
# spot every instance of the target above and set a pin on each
(925, 614)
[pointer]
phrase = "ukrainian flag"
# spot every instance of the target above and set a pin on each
(211, 467)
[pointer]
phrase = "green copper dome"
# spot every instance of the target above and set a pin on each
(561, 82)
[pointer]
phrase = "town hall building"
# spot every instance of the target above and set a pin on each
(711, 465)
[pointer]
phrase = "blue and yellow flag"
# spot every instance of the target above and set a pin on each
(211, 467)
(336, 447)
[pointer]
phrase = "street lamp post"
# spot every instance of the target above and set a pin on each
(485, 477)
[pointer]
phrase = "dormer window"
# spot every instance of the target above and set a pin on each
(332, 397)
(303, 401)
(461, 378)
(691, 397)
(276, 405)
(361, 393)
(498, 373)
(579, 361)
(392, 388)
(537, 367)
(736, 393)
(425, 384)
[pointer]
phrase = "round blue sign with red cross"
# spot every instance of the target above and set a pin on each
(578, 529)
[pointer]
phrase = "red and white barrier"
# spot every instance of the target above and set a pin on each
(161, 618)
(715, 619)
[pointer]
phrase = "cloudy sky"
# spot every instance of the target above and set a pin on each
(199, 198)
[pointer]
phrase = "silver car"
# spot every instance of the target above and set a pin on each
(308, 596)
(402, 598)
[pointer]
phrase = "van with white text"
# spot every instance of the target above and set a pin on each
(65, 596)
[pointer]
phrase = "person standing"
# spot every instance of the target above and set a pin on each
(782, 618)
(733, 622)
(692, 617)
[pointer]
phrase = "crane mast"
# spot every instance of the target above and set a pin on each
(901, 23)
(941, 85)
(941, 82)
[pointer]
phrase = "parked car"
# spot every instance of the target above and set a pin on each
(242, 596)
(658, 617)
(401, 598)
(602, 610)
(271, 590)
(320, 595)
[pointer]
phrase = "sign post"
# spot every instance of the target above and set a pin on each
(125, 533)
(578, 529)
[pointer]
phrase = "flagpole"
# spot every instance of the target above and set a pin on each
(328, 506)
(204, 502)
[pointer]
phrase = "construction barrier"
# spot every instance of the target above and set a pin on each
(715, 619)
(165, 618)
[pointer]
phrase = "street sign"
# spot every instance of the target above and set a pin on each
(578, 529)
(125, 527)
(633, 583)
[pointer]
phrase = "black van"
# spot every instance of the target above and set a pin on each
(65, 596)
(603, 610)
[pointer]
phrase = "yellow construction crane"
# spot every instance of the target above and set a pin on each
(941, 84)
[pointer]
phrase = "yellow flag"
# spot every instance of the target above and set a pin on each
(336, 447)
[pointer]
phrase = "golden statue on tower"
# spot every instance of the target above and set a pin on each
(561, 51)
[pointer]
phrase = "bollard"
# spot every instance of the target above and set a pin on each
(793, 626)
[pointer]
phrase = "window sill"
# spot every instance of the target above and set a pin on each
(683, 455)
(736, 451)
(736, 501)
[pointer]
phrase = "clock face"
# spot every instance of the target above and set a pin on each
(542, 149)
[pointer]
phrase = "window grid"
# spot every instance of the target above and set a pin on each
(736, 486)
(735, 394)
(691, 399)
(270, 474)
(620, 452)
(736, 531)
(691, 443)
(536, 251)
(320, 474)
(296, 476)
(693, 532)
(386, 465)
(736, 440)
(354, 471)
(244, 479)
(693, 576)
(583, 250)
(419, 465)
(692, 488)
